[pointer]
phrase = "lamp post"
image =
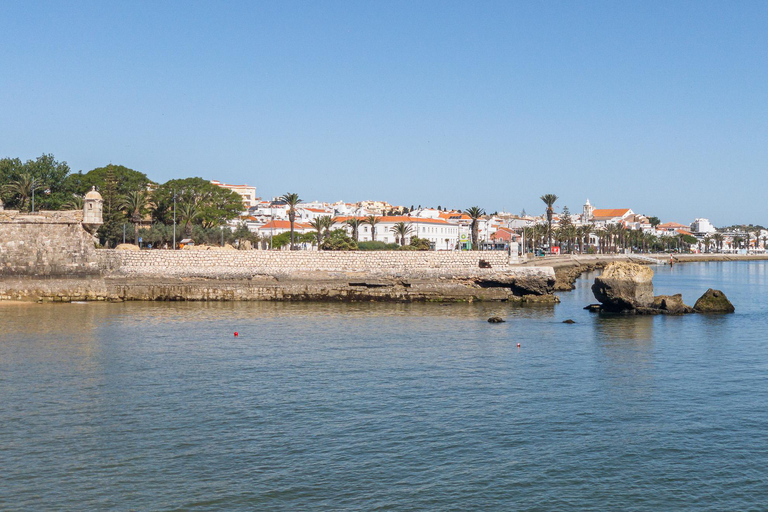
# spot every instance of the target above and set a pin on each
(34, 186)
(174, 219)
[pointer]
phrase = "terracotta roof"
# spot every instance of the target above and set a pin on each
(454, 216)
(284, 224)
(671, 225)
(610, 213)
(396, 218)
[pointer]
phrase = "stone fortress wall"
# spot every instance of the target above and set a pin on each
(46, 244)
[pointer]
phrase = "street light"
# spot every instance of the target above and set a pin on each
(174, 218)
(34, 185)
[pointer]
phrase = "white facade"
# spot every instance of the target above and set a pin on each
(248, 193)
(702, 226)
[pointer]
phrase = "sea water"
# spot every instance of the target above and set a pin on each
(158, 406)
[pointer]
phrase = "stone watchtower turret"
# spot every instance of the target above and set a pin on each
(92, 215)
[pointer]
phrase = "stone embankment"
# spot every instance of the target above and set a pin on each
(285, 275)
(312, 275)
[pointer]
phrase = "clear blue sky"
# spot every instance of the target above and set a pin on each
(657, 106)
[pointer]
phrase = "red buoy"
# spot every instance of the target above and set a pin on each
(236, 334)
(518, 345)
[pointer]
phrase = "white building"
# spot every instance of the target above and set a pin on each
(442, 235)
(702, 226)
(248, 193)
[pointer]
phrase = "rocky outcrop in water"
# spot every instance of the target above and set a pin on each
(628, 288)
(666, 305)
(713, 301)
(624, 287)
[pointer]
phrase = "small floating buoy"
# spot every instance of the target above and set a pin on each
(518, 345)
(236, 334)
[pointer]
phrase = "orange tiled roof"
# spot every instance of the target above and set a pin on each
(610, 213)
(396, 218)
(284, 224)
(671, 225)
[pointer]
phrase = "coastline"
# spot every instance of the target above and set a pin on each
(568, 268)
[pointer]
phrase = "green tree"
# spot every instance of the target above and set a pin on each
(372, 220)
(419, 244)
(475, 213)
(186, 213)
(338, 240)
(214, 205)
(549, 200)
(136, 204)
(319, 226)
(402, 230)
(292, 200)
(45, 174)
(355, 223)
(21, 190)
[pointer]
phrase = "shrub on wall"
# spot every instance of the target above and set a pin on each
(377, 246)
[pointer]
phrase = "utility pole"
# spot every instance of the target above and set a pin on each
(174, 219)
(123, 232)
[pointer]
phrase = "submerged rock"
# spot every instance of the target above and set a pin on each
(713, 301)
(671, 304)
(624, 286)
(569, 321)
(496, 320)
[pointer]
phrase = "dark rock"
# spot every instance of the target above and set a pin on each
(484, 264)
(496, 320)
(533, 285)
(624, 286)
(713, 301)
(671, 305)
(569, 321)
(593, 308)
(540, 299)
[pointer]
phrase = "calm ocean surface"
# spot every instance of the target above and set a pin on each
(156, 406)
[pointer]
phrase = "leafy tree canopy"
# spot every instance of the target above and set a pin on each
(126, 180)
(215, 204)
(46, 171)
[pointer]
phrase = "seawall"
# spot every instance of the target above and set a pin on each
(219, 274)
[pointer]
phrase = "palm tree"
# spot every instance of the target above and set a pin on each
(718, 238)
(188, 212)
(401, 230)
(475, 213)
(319, 226)
(74, 203)
(549, 200)
(355, 223)
(706, 242)
(136, 205)
(372, 220)
(586, 230)
(22, 187)
(291, 199)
